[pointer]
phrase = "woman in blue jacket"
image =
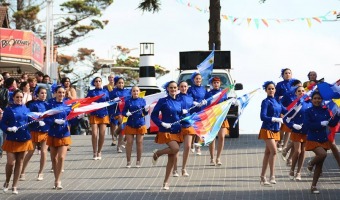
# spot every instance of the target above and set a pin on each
(317, 118)
(281, 88)
(169, 132)
(99, 118)
(271, 110)
(187, 131)
(294, 121)
(135, 109)
(116, 117)
(18, 139)
(197, 91)
(216, 83)
(59, 137)
(38, 132)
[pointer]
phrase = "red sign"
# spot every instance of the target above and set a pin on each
(24, 47)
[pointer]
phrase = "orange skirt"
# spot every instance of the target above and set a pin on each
(14, 146)
(57, 142)
(188, 131)
(98, 120)
(128, 130)
(285, 128)
(166, 137)
(298, 137)
(38, 136)
(267, 134)
(225, 124)
(311, 145)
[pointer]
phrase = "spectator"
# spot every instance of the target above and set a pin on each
(39, 76)
(6, 75)
(32, 81)
(46, 79)
(24, 77)
(25, 87)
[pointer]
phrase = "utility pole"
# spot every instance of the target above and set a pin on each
(48, 37)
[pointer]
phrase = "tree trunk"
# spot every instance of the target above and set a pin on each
(215, 25)
(19, 21)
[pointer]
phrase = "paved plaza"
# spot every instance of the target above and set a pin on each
(237, 178)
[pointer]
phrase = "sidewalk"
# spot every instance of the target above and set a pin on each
(237, 178)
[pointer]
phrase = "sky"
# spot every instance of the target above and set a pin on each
(257, 54)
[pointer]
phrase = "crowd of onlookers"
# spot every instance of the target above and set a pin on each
(27, 84)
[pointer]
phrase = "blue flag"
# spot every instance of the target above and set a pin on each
(206, 67)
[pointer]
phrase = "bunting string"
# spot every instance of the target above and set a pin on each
(330, 16)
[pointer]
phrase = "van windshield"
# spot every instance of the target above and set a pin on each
(225, 81)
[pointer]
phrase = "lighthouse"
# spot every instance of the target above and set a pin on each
(147, 72)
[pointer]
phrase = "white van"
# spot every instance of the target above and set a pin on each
(188, 65)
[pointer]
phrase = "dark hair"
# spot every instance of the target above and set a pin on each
(193, 76)
(117, 78)
(316, 93)
(308, 75)
(284, 70)
(57, 88)
(93, 80)
(63, 80)
(182, 81)
(4, 74)
(39, 73)
(22, 85)
(265, 84)
(8, 82)
(46, 76)
(297, 87)
(37, 90)
(16, 92)
(294, 82)
(166, 85)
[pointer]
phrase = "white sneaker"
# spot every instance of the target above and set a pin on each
(175, 173)
(119, 150)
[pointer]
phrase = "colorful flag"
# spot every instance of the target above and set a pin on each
(218, 96)
(243, 102)
(53, 111)
(329, 91)
(151, 101)
(88, 109)
(207, 122)
(83, 101)
(206, 67)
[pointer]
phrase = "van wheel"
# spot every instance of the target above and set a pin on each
(234, 132)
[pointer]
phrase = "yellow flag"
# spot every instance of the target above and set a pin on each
(142, 94)
(309, 22)
(337, 102)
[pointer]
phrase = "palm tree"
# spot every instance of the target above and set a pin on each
(214, 20)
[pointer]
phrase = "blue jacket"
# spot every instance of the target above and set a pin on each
(270, 107)
(212, 92)
(15, 115)
(313, 118)
(56, 130)
(187, 103)
(281, 88)
(136, 120)
(171, 110)
(101, 113)
(198, 94)
(38, 106)
(299, 118)
(117, 92)
(288, 97)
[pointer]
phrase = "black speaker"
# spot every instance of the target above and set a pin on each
(190, 59)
